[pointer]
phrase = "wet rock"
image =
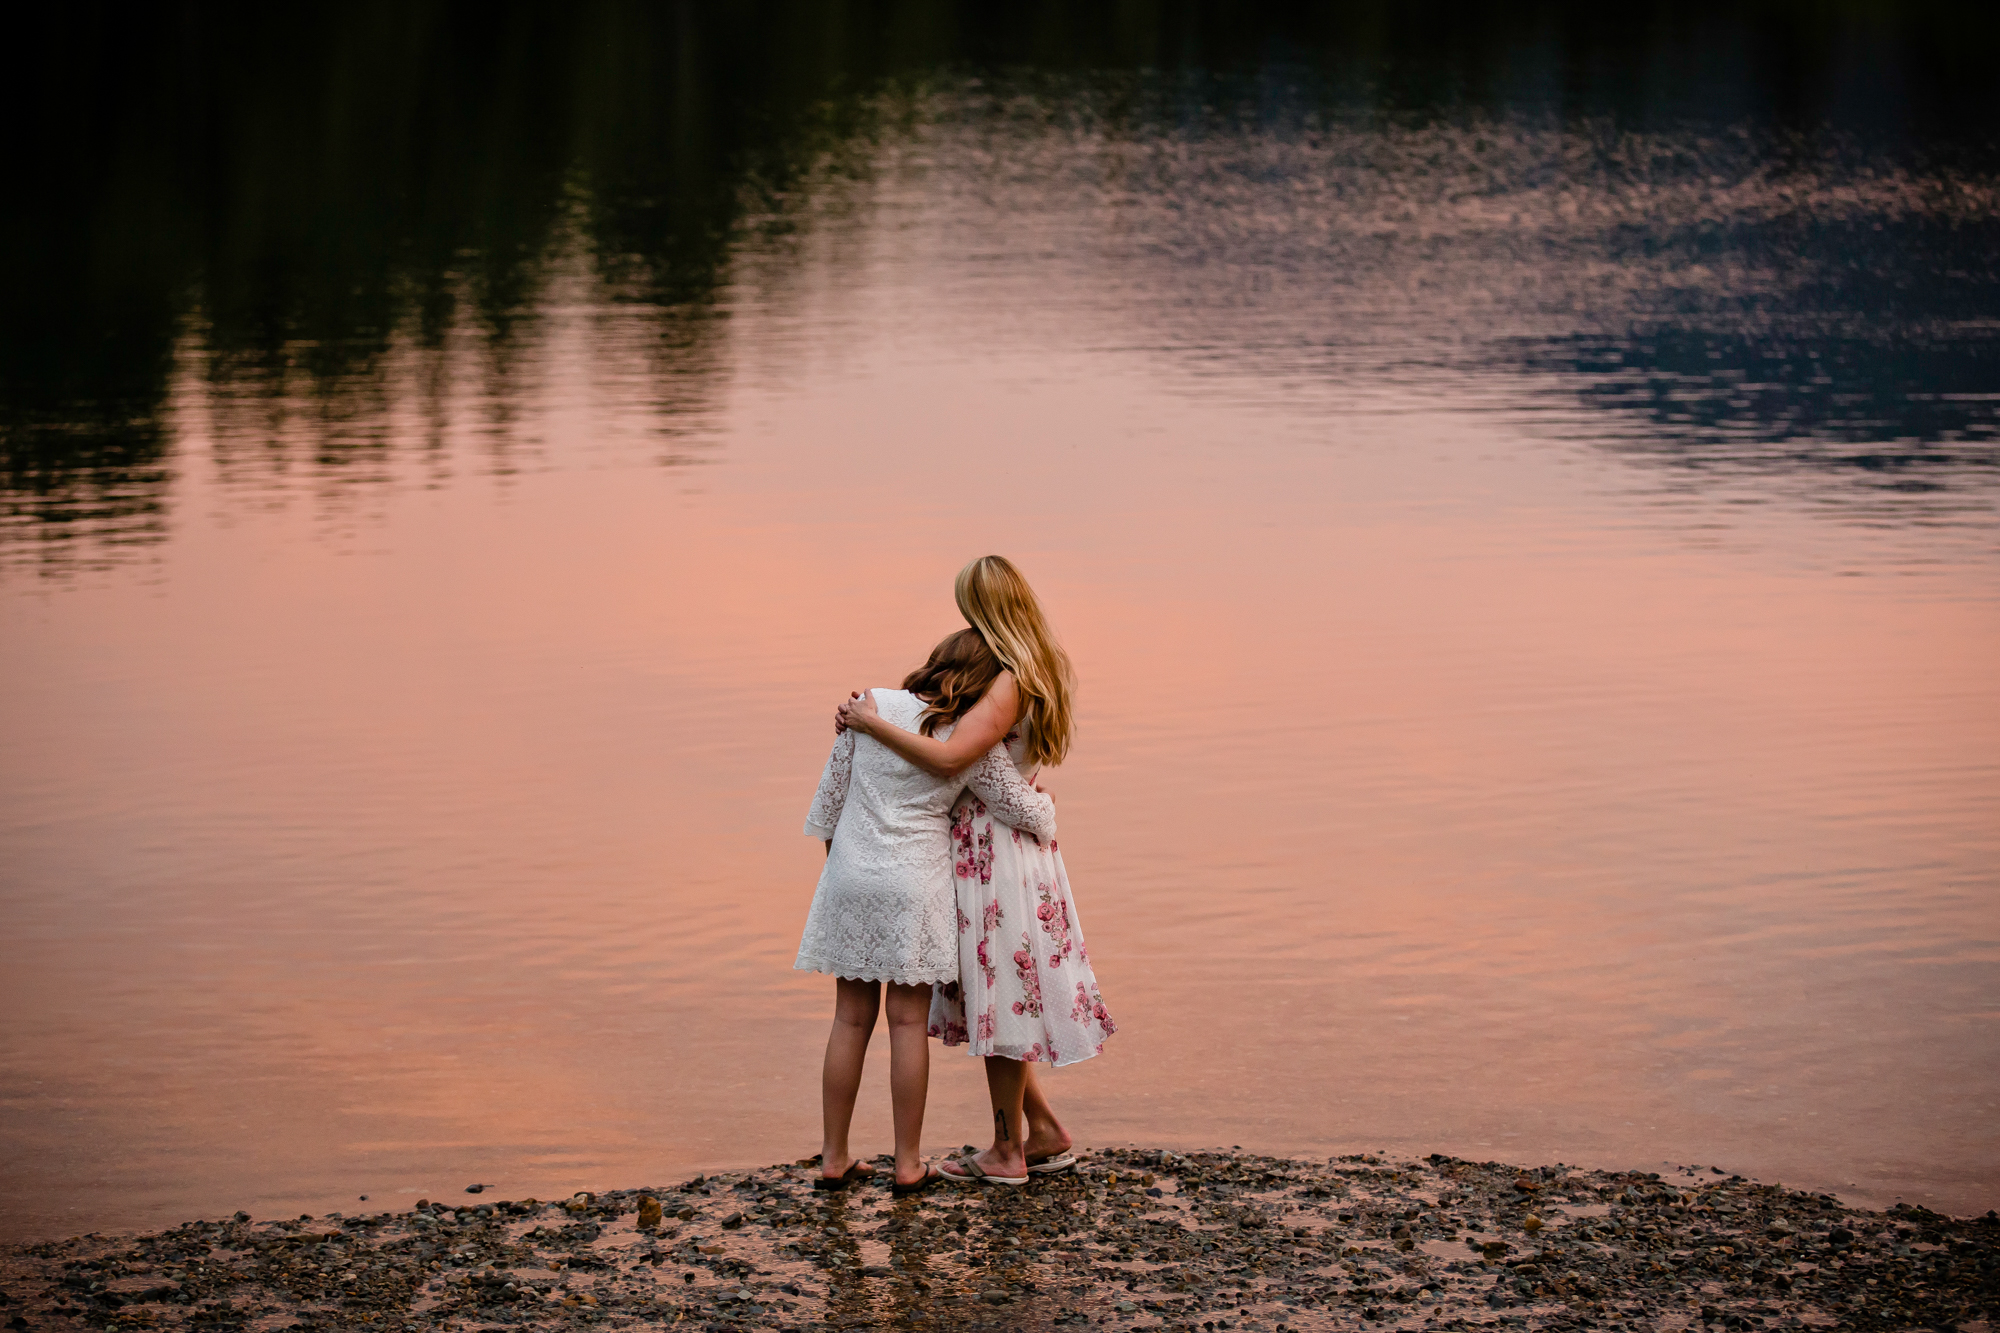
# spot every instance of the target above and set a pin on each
(1228, 1240)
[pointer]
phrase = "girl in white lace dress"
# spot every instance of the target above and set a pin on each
(884, 910)
(1025, 991)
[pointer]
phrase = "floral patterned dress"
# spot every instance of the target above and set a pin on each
(1025, 989)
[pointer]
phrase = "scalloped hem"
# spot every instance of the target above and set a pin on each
(805, 964)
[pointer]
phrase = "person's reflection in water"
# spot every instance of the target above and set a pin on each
(913, 1286)
(847, 1302)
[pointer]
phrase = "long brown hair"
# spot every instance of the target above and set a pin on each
(960, 671)
(998, 602)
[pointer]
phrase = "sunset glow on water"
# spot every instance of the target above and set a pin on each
(1536, 612)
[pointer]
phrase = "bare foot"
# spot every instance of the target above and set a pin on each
(1041, 1147)
(856, 1169)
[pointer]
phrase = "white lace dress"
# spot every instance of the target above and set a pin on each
(885, 907)
(1025, 988)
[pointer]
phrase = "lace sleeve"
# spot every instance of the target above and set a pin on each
(1009, 798)
(824, 815)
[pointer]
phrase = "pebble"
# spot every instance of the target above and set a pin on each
(1179, 1242)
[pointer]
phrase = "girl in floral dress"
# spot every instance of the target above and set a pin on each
(1025, 990)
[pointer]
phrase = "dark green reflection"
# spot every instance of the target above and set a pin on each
(289, 195)
(293, 191)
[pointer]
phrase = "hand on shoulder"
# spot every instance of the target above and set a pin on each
(858, 712)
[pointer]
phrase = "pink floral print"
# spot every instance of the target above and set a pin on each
(1089, 1007)
(972, 841)
(1040, 1000)
(1054, 916)
(947, 1021)
(1030, 975)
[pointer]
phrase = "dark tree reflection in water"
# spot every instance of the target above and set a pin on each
(1755, 246)
(322, 220)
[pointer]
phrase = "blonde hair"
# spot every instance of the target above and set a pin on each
(998, 602)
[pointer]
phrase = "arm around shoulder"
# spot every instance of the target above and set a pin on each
(978, 731)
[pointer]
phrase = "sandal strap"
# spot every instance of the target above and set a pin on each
(857, 1170)
(931, 1176)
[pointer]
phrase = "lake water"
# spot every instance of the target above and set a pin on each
(1533, 566)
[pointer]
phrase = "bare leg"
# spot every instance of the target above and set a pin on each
(909, 1074)
(855, 1005)
(1046, 1136)
(1025, 1127)
(1006, 1086)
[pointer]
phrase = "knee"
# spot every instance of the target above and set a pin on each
(907, 1005)
(856, 1016)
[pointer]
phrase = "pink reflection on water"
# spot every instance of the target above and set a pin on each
(1430, 796)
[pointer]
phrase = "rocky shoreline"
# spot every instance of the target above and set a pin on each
(1135, 1239)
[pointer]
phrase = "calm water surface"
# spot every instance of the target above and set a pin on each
(1533, 577)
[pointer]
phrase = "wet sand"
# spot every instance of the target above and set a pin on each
(1134, 1239)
